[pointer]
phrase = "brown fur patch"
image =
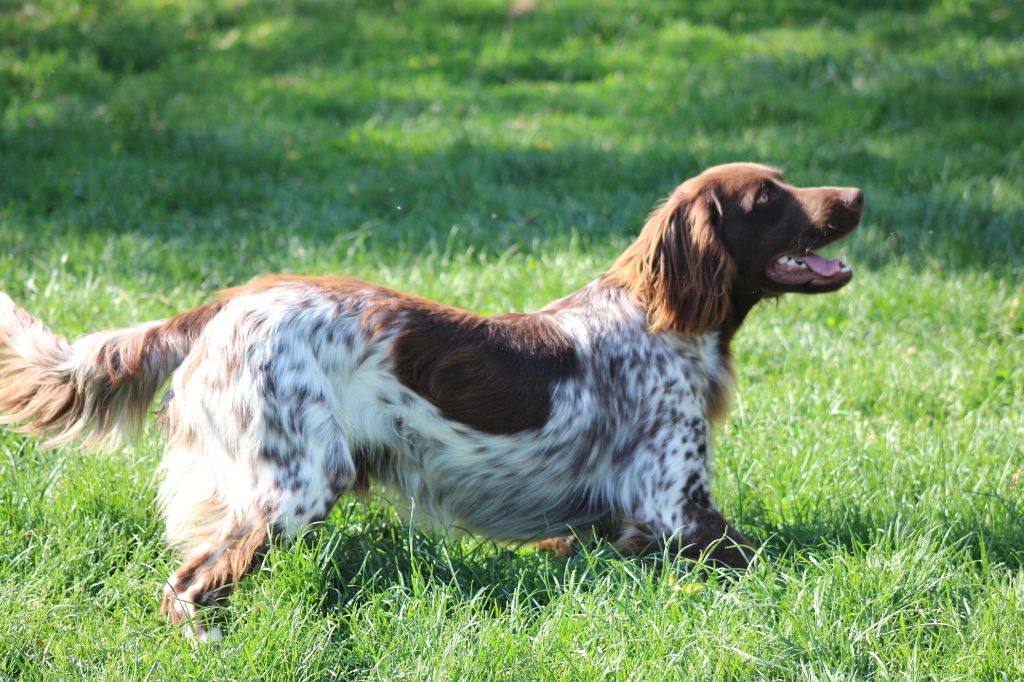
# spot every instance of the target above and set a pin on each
(678, 268)
(494, 374)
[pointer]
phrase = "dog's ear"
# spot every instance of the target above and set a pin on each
(678, 268)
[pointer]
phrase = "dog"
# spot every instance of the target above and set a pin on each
(595, 411)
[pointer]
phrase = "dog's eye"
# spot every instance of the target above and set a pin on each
(764, 196)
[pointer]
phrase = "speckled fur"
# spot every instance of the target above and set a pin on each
(314, 397)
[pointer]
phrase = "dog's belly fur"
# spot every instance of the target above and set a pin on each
(451, 476)
(516, 487)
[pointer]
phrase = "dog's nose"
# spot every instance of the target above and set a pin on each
(852, 198)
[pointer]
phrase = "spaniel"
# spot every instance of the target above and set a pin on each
(289, 392)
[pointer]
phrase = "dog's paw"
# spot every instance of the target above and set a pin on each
(560, 547)
(210, 635)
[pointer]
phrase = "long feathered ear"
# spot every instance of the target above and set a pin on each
(678, 268)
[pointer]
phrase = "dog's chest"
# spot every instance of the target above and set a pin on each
(660, 373)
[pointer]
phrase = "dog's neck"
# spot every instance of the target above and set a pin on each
(612, 296)
(741, 302)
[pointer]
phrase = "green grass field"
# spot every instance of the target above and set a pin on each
(154, 152)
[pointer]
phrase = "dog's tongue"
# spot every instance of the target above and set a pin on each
(826, 267)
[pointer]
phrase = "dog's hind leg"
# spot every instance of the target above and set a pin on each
(223, 507)
(224, 542)
(208, 574)
(257, 452)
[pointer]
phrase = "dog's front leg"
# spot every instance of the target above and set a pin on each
(666, 499)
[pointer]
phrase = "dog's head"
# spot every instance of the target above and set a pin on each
(736, 230)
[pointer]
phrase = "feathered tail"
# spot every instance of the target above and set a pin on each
(97, 389)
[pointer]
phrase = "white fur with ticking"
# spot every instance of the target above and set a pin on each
(255, 446)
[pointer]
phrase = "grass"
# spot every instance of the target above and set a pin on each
(153, 152)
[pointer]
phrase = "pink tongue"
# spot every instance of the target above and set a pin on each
(826, 267)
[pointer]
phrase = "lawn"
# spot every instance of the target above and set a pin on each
(495, 156)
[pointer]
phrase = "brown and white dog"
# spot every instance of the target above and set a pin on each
(289, 392)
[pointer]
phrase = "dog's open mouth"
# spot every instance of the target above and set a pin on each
(809, 269)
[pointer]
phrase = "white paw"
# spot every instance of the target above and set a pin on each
(202, 635)
(211, 635)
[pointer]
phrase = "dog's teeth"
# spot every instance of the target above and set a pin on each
(791, 262)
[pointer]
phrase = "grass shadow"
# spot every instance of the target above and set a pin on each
(997, 542)
(261, 124)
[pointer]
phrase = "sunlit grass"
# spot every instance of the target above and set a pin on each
(152, 153)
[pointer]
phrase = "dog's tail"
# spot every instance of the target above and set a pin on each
(97, 389)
